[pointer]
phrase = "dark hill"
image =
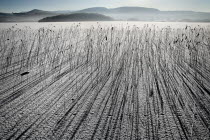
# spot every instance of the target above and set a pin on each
(77, 17)
(5, 14)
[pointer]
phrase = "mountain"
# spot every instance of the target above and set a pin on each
(118, 10)
(63, 11)
(134, 10)
(5, 14)
(120, 13)
(148, 14)
(34, 12)
(30, 16)
(94, 10)
(77, 17)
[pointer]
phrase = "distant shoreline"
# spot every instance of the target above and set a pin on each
(105, 21)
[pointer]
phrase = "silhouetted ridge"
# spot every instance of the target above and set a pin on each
(77, 17)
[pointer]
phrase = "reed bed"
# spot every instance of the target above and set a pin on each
(105, 82)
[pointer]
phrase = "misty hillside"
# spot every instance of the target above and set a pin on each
(94, 10)
(35, 12)
(5, 14)
(119, 10)
(77, 17)
(120, 13)
(63, 11)
(29, 16)
(149, 14)
(133, 10)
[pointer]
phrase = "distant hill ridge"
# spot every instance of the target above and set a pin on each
(100, 9)
(95, 9)
(119, 9)
(77, 17)
(35, 12)
(119, 13)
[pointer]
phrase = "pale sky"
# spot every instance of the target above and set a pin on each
(51, 5)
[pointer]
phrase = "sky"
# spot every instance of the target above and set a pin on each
(52, 5)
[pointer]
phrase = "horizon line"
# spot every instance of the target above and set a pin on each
(101, 7)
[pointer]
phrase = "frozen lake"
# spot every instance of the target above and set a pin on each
(120, 24)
